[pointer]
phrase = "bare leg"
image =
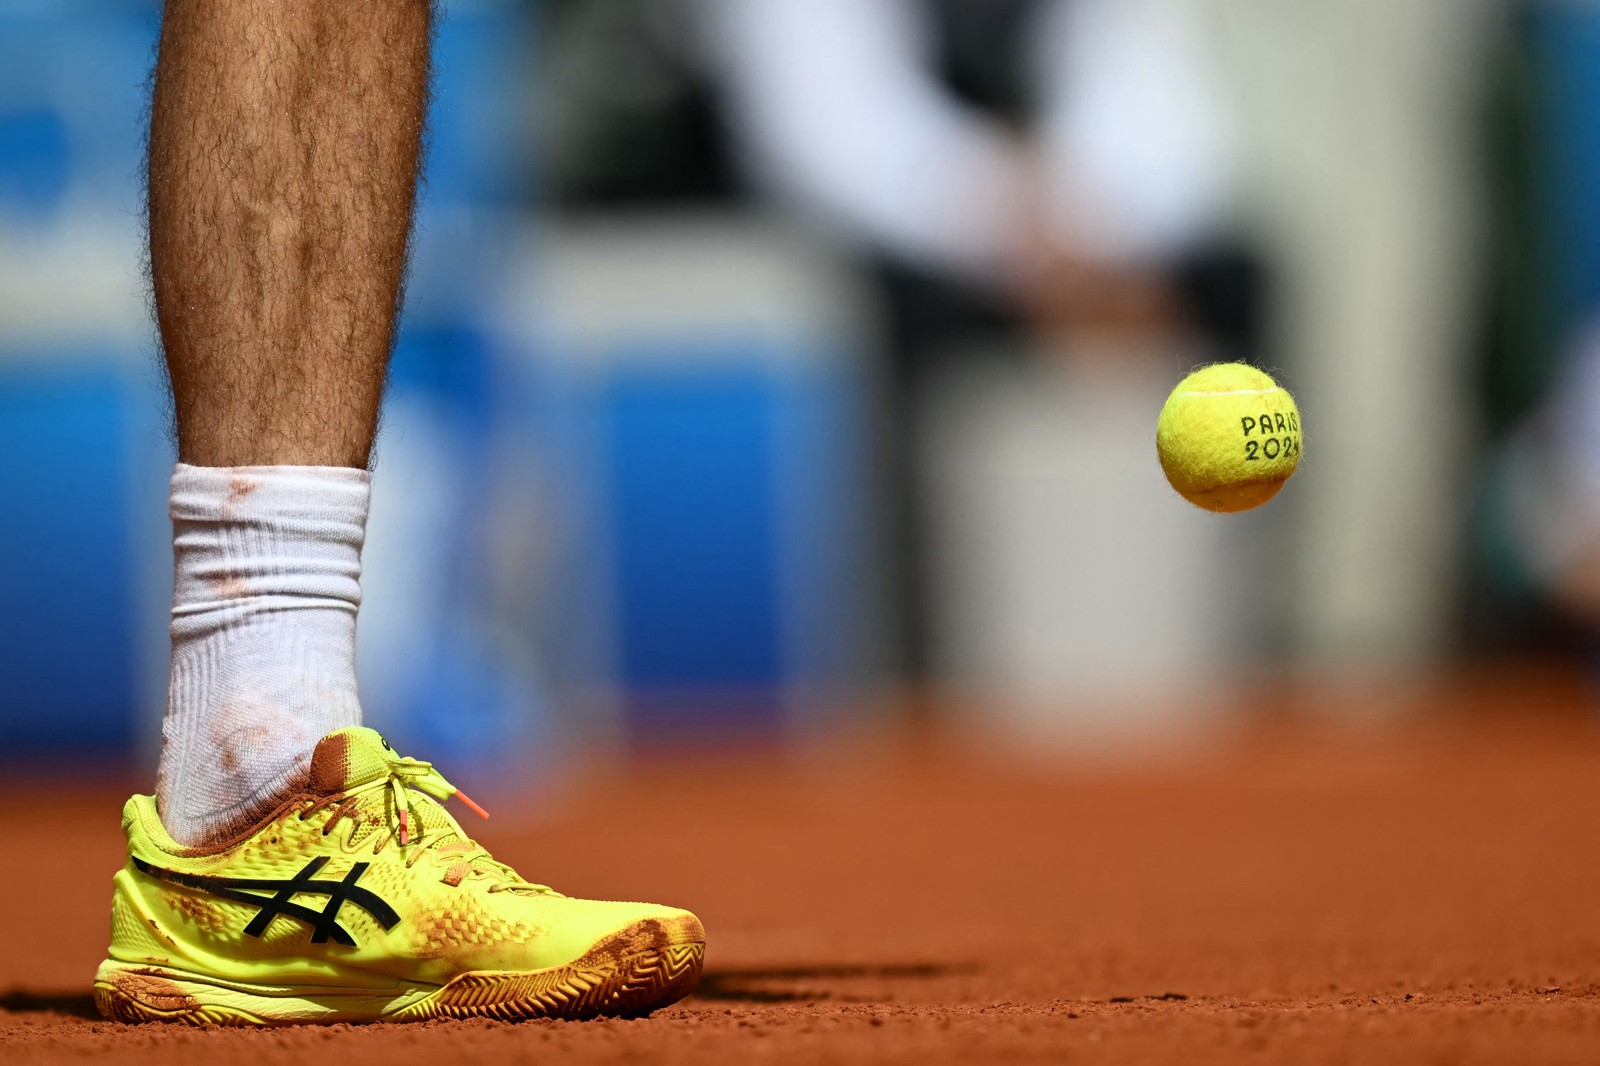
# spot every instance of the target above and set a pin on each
(283, 162)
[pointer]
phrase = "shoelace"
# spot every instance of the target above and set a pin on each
(406, 773)
(414, 773)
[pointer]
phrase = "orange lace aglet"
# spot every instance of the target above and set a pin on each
(464, 798)
(405, 833)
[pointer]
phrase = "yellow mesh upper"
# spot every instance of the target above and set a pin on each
(453, 908)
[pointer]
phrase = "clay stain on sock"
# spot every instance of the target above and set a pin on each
(244, 728)
(230, 587)
(239, 487)
(226, 735)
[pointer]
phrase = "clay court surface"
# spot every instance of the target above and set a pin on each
(1293, 890)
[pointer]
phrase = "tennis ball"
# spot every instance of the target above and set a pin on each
(1228, 437)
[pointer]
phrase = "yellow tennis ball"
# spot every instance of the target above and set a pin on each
(1228, 437)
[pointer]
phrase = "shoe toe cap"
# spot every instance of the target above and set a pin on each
(630, 928)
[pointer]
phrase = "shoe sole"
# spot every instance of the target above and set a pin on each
(615, 978)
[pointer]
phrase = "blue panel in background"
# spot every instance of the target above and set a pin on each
(825, 471)
(1567, 37)
(690, 452)
(33, 143)
(480, 55)
(73, 79)
(66, 653)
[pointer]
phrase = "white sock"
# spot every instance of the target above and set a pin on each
(267, 583)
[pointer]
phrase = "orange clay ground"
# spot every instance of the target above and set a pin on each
(1298, 891)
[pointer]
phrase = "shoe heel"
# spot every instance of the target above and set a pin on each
(132, 993)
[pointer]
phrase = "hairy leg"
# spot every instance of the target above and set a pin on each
(283, 164)
(284, 142)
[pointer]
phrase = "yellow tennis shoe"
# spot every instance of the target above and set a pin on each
(361, 899)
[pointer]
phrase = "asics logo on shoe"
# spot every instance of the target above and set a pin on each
(275, 897)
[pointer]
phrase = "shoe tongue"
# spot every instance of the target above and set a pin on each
(349, 759)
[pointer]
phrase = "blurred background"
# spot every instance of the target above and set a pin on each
(772, 368)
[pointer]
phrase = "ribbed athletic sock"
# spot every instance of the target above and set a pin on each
(267, 584)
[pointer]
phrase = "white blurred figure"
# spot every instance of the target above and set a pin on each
(1067, 583)
(838, 111)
